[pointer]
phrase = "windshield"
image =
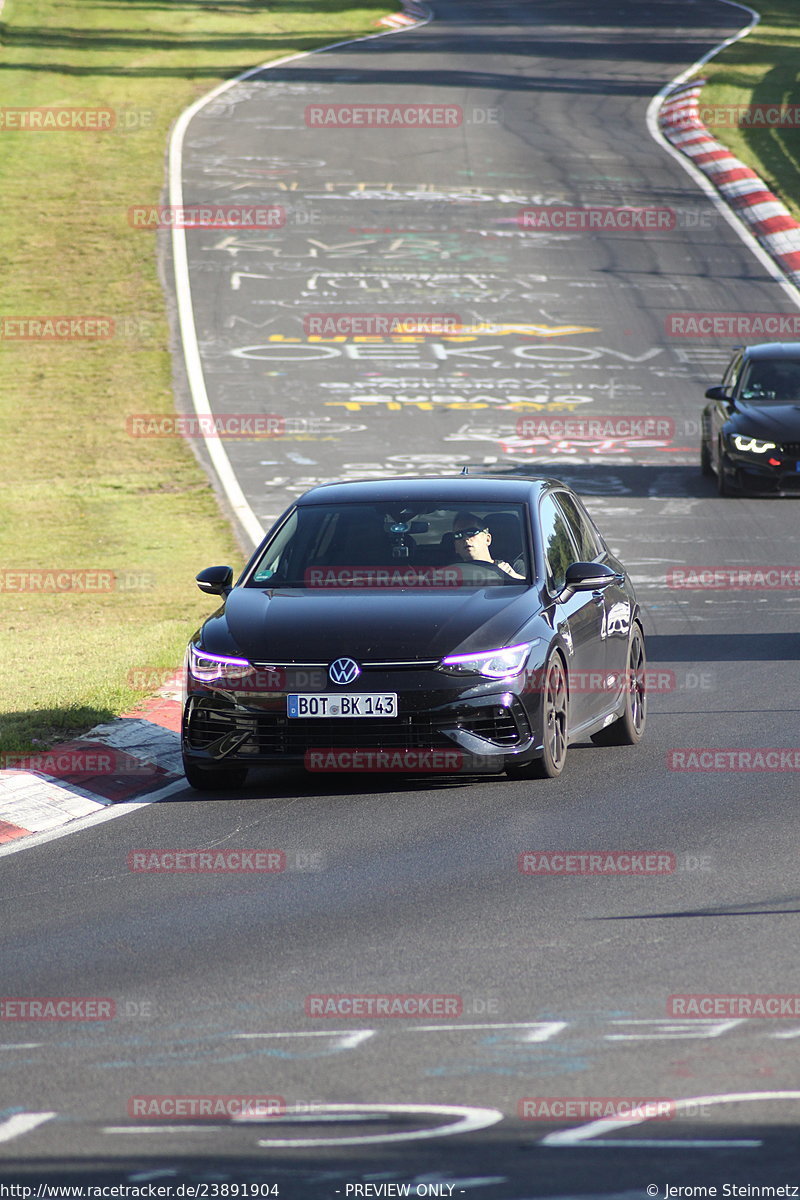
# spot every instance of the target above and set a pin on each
(378, 545)
(771, 382)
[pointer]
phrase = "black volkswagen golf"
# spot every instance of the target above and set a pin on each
(455, 625)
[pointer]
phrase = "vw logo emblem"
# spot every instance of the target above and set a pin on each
(344, 670)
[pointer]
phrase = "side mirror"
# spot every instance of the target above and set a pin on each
(215, 581)
(588, 577)
(717, 393)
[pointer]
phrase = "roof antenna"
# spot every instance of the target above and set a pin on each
(465, 470)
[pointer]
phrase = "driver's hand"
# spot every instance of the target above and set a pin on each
(509, 570)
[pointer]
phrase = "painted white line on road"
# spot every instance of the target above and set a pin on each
(665, 1029)
(467, 1120)
(585, 1133)
(149, 1176)
(105, 814)
(345, 1040)
(22, 1123)
(161, 1128)
(191, 350)
(538, 1031)
(653, 1144)
(474, 1181)
(360, 1033)
(697, 175)
(21, 1045)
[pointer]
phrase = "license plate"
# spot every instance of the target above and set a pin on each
(354, 704)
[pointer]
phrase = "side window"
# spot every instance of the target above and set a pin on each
(583, 533)
(559, 548)
(731, 376)
(274, 563)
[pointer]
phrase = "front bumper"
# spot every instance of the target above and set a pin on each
(479, 728)
(761, 479)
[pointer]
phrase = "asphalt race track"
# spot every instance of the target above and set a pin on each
(411, 886)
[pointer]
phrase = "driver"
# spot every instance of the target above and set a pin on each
(472, 541)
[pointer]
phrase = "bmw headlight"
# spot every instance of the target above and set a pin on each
(210, 668)
(751, 445)
(492, 664)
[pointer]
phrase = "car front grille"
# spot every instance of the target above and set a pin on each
(270, 733)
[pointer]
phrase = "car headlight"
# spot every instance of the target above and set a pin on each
(211, 667)
(493, 664)
(751, 445)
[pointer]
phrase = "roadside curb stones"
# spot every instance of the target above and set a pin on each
(745, 192)
(134, 755)
(413, 12)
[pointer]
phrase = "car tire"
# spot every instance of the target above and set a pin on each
(723, 487)
(706, 466)
(214, 778)
(555, 726)
(628, 729)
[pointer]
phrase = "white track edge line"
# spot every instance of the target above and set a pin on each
(29, 841)
(191, 352)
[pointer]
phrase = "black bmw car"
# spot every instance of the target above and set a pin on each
(751, 428)
(420, 624)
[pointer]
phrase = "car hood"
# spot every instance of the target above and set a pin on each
(309, 626)
(773, 422)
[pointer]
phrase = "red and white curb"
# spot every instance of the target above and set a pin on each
(397, 21)
(134, 756)
(412, 14)
(764, 215)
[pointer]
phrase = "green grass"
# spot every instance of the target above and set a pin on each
(77, 491)
(763, 68)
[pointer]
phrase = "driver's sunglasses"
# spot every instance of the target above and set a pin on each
(467, 533)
